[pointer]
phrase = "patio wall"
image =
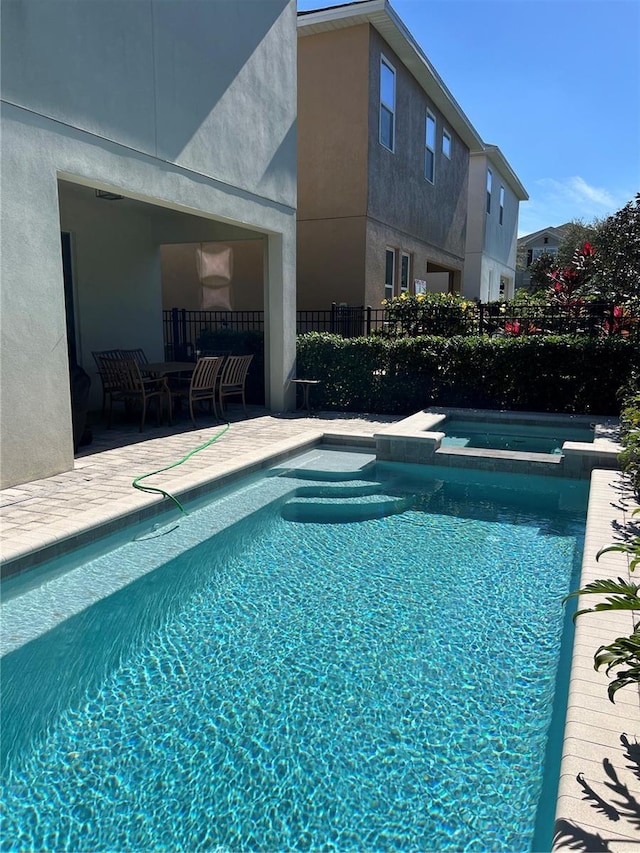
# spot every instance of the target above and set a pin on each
(117, 293)
(199, 78)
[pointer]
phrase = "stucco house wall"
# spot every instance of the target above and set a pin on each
(181, 286)
(491, 244)
(356, 198)
(116, 266)
(399, 194)
(207, 128)
(332, 166)
(531, 246)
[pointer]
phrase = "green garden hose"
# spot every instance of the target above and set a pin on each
(156, 490)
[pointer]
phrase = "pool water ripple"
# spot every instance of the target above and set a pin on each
(323, 686)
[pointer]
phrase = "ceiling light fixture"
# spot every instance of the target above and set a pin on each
(105, 194)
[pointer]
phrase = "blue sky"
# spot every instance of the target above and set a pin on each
(554, 83)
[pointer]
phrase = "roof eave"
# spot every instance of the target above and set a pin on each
(495, 154)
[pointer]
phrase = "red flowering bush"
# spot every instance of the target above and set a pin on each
(520, 327)
(622, 322)
(567, 286)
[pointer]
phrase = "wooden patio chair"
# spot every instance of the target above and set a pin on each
(202, 385)
(129, 387)
(138, 355)
(233, 379)
(101, 358)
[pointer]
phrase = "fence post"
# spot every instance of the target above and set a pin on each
(480, 318)
(333, 317)
(368, 320)
(175, 332)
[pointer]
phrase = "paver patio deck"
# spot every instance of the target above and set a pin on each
(599, 793)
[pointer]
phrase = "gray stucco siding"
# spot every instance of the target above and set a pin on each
(208, 86)
(399, 194)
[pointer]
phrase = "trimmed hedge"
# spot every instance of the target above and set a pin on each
(545, 374)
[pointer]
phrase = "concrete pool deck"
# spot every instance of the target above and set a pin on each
(599, 788)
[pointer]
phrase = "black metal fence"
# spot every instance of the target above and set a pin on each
(184, 328)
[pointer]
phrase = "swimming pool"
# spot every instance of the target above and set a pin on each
(555, 445)
(290, 682)
(519, 436)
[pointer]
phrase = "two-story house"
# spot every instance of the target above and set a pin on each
(126, 127)
(495, 194)
(383, 161)
(531, 246)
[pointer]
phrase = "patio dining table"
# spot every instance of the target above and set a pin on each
(164, 368)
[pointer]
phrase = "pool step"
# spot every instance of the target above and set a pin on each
(336, 509)
(353, 491)
(322, 475)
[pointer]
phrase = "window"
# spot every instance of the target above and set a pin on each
(446, 143)
(387, 104)
(501, 204)
(548, 250)
(390, 274)
(430, 145)
(405, 262)
(489, 176)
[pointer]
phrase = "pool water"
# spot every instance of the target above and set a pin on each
(386, 683)
(498, 435)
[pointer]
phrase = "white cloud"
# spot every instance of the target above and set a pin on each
(554, 202)
(578, 191)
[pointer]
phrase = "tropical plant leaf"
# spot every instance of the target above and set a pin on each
(624, 678)
(632, 548)
(621, 595)
(612, 603)
(606, 585)
(621, 651)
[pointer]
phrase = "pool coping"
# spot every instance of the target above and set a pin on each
(594, 727)
(593, 745)
(418, 439)
(141, 506)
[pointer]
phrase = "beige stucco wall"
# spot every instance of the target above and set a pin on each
(355, 197)
(331, 262)
(181, 287)
(332, 124)
(332, 167)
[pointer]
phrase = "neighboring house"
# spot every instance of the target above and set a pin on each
(383, 162)
(495, 194)
(531, 246)
(127, 127)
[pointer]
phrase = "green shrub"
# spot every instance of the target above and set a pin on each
(550, 373)
(630, 433)
(430, 314)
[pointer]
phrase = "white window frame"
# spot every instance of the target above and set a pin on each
(544, 250)
(404, 287)
(501, 216)
(446, 135)
(390, 287)
(430, 149)
(391, 108)
(489, 182)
